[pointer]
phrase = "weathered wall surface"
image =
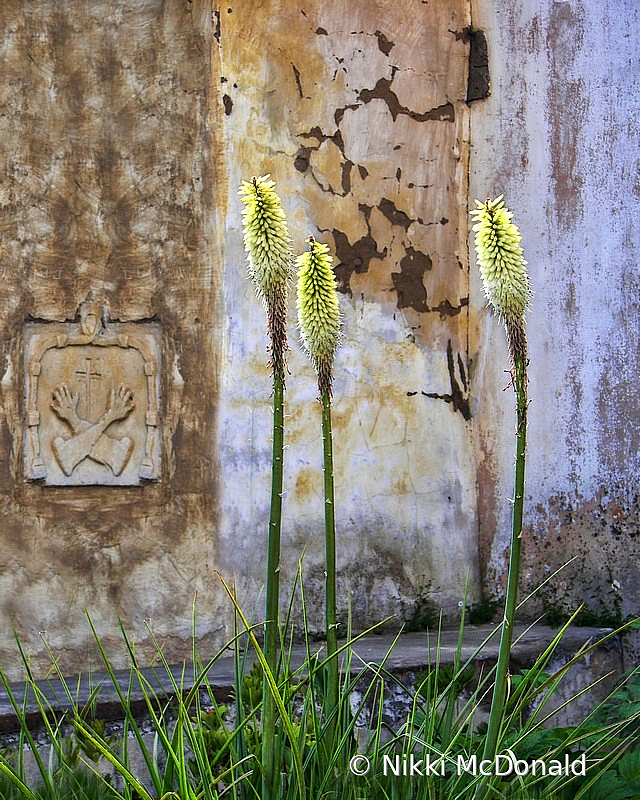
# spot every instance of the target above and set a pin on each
(125, 132)
(559, 137)
(358, 111)
(107, 186)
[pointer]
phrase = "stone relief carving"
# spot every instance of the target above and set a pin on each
(87, 440)
(92, 401)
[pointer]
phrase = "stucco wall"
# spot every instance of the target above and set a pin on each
(559, 137)
(107, 186)
(361, 118)
(125, 132)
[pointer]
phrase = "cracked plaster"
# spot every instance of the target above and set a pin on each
(362, 121)
(127, 132)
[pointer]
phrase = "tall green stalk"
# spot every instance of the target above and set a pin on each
(506, 286)
(330, 563)
(319, 322)
(271, 629)
(268, 247)
(506, 637)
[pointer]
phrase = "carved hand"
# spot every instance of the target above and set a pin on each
(120, 405)
(65, 404)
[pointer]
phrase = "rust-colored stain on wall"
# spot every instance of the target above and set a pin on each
(568, 108)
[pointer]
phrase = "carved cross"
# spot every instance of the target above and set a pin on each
(91, 371)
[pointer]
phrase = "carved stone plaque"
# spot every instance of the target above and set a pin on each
(92, 402)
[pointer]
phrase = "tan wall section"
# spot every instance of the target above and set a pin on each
(108, 185)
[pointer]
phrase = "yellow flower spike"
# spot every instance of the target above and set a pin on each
(502, 266)
(269, 258)
(318, 310)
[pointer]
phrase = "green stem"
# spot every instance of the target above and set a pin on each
(330, 567)
(271, 632)
(499, 691)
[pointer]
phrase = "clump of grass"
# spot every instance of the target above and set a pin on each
(64, 785)
(199, 751)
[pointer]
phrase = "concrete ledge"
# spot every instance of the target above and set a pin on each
(413, 652)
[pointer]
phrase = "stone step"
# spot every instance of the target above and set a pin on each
(408, 653)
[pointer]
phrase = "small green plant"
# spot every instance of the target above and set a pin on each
(621, 782)
(422, 614)
(607, 616)
(483, 611)
(623, 704)
(211, 723)
(251, 691)
(445, 678)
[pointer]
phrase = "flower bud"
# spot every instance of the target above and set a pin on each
(503, 271)
(502, 267)
(318, 310)
(269, 258)
(266, 236)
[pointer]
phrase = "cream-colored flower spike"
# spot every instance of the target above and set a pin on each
(269, 259)
(318, 310)
(502, 266)
(266, 236)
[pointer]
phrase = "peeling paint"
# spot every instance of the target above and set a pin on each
(394, 215)
(382, 91)
(296, 75)
(383, 43)
(408, 283)
(458, 397)
(371, 159)
(478, 83)
(353, 257)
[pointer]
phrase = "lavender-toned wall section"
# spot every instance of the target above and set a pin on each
(559, 136)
